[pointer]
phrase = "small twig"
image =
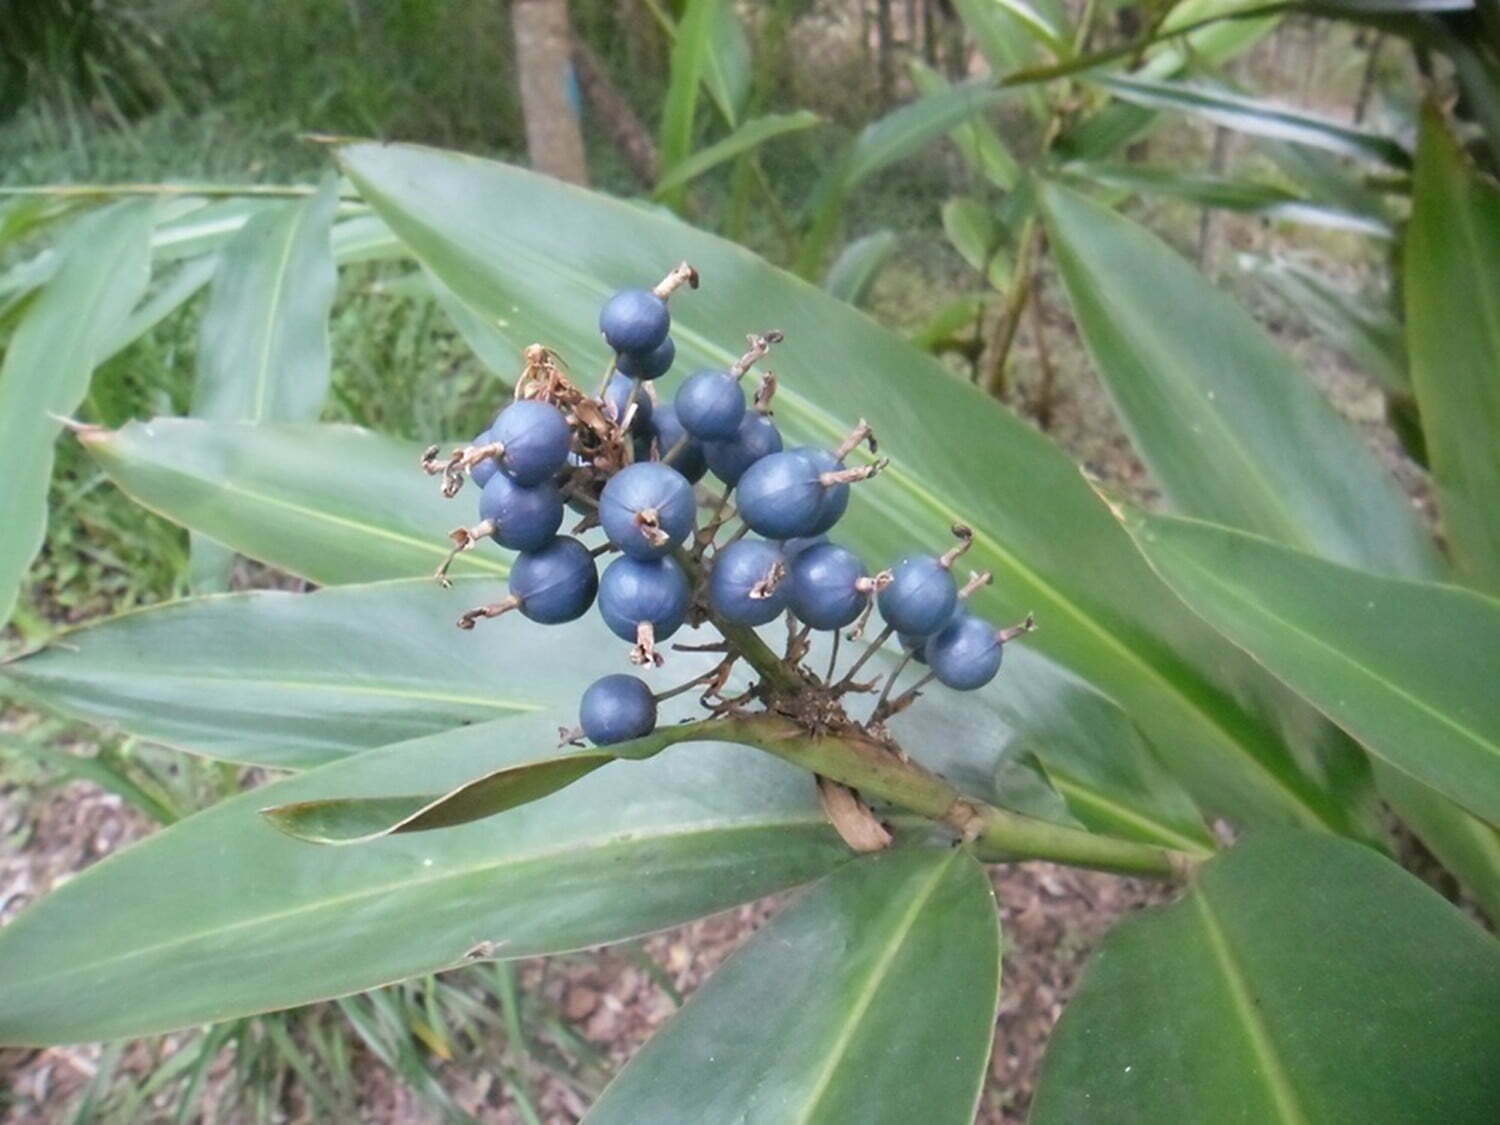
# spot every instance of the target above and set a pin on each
(833, 658)
(494, 609)
(682, 274)
(760, 345)
(860, 433)
(870, 650)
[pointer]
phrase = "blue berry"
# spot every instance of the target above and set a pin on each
(648, 365)
(675, 446)
(556, 583)
(710, 405)
(826, 582)
(646, 509)
(482, 471)
(635, 592)
(921, 596)
(525, 519)
(966, 654)
(756, 437)
(617, 708)
(741, 571)
(617, 399)
(536, 438)
(835, 498)
(634, 320)
(782, 496)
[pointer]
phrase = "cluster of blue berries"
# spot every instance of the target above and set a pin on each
(627, 462)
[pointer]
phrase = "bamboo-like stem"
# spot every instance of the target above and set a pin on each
(862, 763)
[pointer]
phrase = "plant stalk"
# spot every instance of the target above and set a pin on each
(862, 763)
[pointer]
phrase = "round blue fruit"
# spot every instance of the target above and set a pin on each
(825, 591)
(634, 320)
(618, 398)
(648, 365)
(617, 708)
(739, 570)
(525, 519)
(781, 496)
(710, 405)
(791, 548)
(965, 655)
(637, 591)
(536, 439)
(675, 446)
(921, 596)
(641, 496)
(835, 497)
(556, 583)
(757, 437)
(481, 473)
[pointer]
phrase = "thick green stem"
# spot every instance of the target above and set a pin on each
(998, 835)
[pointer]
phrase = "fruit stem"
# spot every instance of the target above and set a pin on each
(997, 835)
(760, 345)
(682, 274)
(777, 675)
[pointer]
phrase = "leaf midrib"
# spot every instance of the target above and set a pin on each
(226, 484)
(1478, 740)
(1283, 1095)
(619, 840)
(270, 334)
(834, 1055)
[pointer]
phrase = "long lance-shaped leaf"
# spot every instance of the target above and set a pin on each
(1233, 432)
(1290, 984)
(297, 680)
(691, 47)
(1452, 287)
(1256, 117)
(1408, 668)
(297, 495)
(47, 366)
(834, 1031)
(751, 135)
(258, 920)
(263, 353)
(1249, 196)
(1367, 333)
(853, 273)
(358, 820)
(1236, 435)
(901, 133)
(979, 143)
(1052, 547)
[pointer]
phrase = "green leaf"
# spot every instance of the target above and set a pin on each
(48, 361)
(358, 820)
(692, 47)
(1451, 282)
(1052, 546)
(854, 271)
(1235, 432)
(1249, 196)
(727, 67)
(91, 769)
(942, 329)
(871, 999)
(899, 134)
(1408, 668)
(1367, 333)
(179, 286)
(1256, 117)
(1003, 43)
(979, 239)
(1304, 979)
(979, 143)
(263, 353)
(262, 921)
(310, 678)
(263, 346)
(329, 503)
(751, 135)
